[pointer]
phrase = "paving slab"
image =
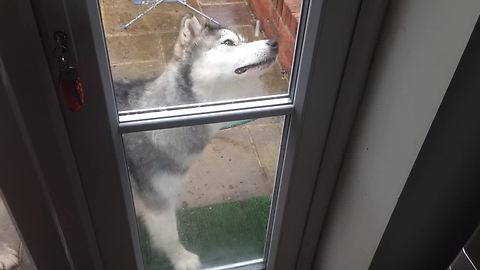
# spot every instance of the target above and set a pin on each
(274, 80)
(230, 13)
(228, 170)
(167, 17)
(137, 70)
(266, 140)
(117, 3)
(216, 2)
(114, 16)
(138, 48)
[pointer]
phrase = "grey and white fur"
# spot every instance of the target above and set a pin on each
(9, 240)
(209, 63)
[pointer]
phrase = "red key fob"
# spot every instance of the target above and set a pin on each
(72, 89)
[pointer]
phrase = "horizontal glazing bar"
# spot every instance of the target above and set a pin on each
(205, 118)
(247, 265)
(200, 109)
(204, 104)
(205, 115)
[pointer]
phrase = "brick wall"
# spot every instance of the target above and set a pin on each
(279, 20)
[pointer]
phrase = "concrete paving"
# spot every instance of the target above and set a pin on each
(240, 162)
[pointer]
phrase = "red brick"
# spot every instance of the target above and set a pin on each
(296, 15)
(264, 14)
(279, 20)
(279, 7)
(292, 5)
(268, 26)
(271, 30)
(287, 45)
(293, 25)
(275, 16)
(285, 59)
(286, 16)
(260, 7)
(292, 13)
(278, 4)
(284, 32)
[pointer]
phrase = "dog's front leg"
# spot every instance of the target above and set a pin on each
(162, 226)
(8, 257)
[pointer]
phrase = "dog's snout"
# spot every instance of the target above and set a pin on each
(272, 43)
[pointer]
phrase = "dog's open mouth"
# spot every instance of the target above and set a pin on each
(259, 65)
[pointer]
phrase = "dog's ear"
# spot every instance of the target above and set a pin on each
(190, 28)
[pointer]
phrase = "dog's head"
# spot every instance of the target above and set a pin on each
(217, 54)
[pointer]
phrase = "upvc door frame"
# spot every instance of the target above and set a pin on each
(339, 37)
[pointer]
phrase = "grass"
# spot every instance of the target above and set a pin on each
(220, 234)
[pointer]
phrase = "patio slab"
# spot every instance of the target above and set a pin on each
(132, 49)
(228, 170)
(266, 139)
(137, 70)
(239, 163)
(230, 13)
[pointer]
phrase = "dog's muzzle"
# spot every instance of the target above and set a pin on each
(273, 44)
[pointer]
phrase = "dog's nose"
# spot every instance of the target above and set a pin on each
(272, 43)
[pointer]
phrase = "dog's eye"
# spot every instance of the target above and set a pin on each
(228, 42)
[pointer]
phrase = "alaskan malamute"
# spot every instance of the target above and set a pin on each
(209, 63)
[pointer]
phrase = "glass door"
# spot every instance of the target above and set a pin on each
(202, 125)
(201, 90)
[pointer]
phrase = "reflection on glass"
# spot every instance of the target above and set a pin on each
(170, 57)
(203, 193)
(13, 254)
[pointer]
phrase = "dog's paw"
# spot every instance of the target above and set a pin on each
(187, 261)
(8, 258)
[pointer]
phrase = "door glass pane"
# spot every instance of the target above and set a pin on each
(13, 253)
(173, 55)
(213, 183)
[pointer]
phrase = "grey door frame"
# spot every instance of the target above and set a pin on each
(40, 181)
